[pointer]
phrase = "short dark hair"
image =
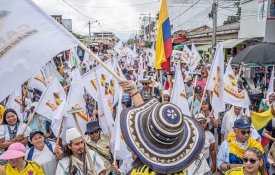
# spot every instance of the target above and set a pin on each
(5, 115)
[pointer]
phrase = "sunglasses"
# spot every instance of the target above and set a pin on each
(252, 161)
(145, 83)
(245, 132)
(95, 132)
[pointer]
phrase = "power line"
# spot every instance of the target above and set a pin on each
(116, 6)
(78, 10)
(186, 10)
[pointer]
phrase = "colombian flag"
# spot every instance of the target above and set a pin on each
(259, 121)
(164, 39)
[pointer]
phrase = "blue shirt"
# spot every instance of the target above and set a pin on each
(195, 107)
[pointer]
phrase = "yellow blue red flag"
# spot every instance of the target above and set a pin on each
(164, 39)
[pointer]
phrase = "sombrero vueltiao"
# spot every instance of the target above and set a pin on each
(164, 139)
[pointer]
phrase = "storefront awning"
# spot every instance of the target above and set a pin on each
(204, 47)
(228, 44)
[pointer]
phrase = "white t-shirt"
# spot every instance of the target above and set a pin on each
(209, 139)
(4, 131)
(45, 158)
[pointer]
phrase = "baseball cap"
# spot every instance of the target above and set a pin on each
(15, 150)
(33, 132)
(242, 123)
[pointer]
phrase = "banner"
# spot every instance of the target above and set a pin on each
(29, 38)
(195, 58)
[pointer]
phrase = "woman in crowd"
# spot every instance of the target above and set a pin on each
(17, 165)
(11, 130)
(42, 152)
(207, 110)
(253, 163)
(209, 145)
(266, 104)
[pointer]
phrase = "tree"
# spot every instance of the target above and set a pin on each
(234, 18)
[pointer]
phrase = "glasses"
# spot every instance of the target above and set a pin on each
(94, 132)
(145, 83)
(245, 132)
(252, 161)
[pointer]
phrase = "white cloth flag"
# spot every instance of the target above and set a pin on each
(232, 94)
(119, 47)
(271, 83)
(52, 100)
(15, 102)
(29, 38)
(75, 100)
(38, 81)
(178, 95)
(195, 59)
(74, 60)
(105, 115)
(118, 145)
(186, 54)
(105, 78)
(215, 81)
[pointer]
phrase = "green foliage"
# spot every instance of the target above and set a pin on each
(234, 18)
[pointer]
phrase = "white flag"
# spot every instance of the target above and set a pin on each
(29, 38)
(271, 83)
(118, 145)
(38, 81)
(75, 100)
(15, 102)
(178, 95)
(232, 94)
(105, 112)
(74, 60)
(52, 100)
(195, 59)
(187, 53)
(216, 82)
(105, 78)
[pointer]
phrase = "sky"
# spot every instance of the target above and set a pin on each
(123, 16)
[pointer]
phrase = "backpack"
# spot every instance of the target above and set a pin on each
(48, 144)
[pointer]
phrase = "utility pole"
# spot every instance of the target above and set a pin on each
(149, 27)
(214, 15)
(89, 23)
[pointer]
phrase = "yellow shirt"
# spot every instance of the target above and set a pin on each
(145, 170)
(31, 169)
(2, 110)
(236, 171)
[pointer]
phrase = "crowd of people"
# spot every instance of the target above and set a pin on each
(160, 138)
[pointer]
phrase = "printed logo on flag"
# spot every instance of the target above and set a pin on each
(40, 79)
(93, 82)
(81, 114)
(18, 100)
(103, 80)
(57, 100)
(10, 39)
(217, 80)
(183, 94)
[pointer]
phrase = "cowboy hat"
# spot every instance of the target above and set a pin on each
(154, 84)
(145, 81)
(162, 137)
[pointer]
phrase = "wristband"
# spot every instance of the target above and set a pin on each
(134, 94)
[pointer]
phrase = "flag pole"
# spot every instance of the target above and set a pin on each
(192, 106)
(60, 131)
(29, 121)
(100, 61)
